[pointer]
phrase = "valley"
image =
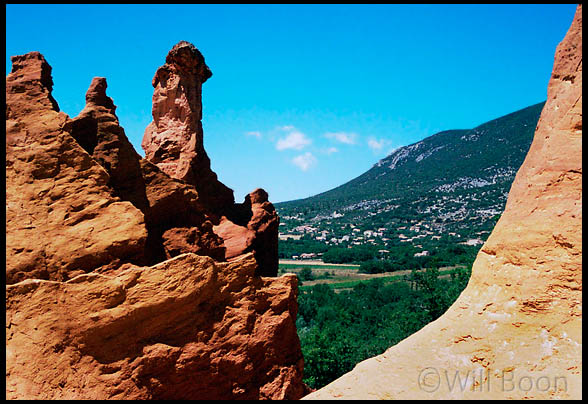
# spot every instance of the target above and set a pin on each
(430, 203)
(342, 276)
(391, 250)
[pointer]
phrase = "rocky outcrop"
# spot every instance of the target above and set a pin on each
(59, 207)
(256, 230)
(118, 285)
(188, 328)
(174, 142)
(516, 330)
(168, 205)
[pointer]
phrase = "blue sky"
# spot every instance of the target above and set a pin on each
(303, 98)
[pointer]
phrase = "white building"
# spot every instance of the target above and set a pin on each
(421, 254)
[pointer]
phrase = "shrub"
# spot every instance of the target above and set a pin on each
(306, 274)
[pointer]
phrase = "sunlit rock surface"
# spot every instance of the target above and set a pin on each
(118, 286)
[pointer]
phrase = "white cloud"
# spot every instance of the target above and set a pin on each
(377, 145)
(255, 133)
(331, 150)
(392, 150)
(304, 161)
(342, 137)
(294, 140)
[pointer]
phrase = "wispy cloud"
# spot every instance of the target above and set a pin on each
(293, 140)
(254, 133)
(342, 137)
(392, 150)
(304, 161)
(377, 145)
(331, 150)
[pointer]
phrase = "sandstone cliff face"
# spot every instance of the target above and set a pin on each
(188, 328)
(515, 331)
(59, 207)
(118, 285)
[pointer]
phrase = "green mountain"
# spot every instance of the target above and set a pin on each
(432, 195)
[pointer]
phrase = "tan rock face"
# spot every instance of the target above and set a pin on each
(92, 311)
(59, 208)
(515, 332)
(188, 328)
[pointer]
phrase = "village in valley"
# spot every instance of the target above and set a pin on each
(429, 204)
(357, 226)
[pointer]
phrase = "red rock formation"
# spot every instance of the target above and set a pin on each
(256, 230)
(174, 142)
(188, 328)
(59, 207)
(516, 330)
(97, 130)
(166, 203)
(79, 199)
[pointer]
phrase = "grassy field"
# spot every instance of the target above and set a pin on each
(341, 276)
(294, 266)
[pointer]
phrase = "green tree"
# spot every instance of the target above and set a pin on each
(306, 274)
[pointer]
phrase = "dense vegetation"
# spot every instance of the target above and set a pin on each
(450, 255)
(340, 329)
(289, 248)
(400, 256)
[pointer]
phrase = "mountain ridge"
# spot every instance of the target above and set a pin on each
(453, 183)
(399, 150)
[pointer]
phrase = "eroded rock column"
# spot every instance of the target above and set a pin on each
(174, 140)
(59, 207)
(86, 317)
